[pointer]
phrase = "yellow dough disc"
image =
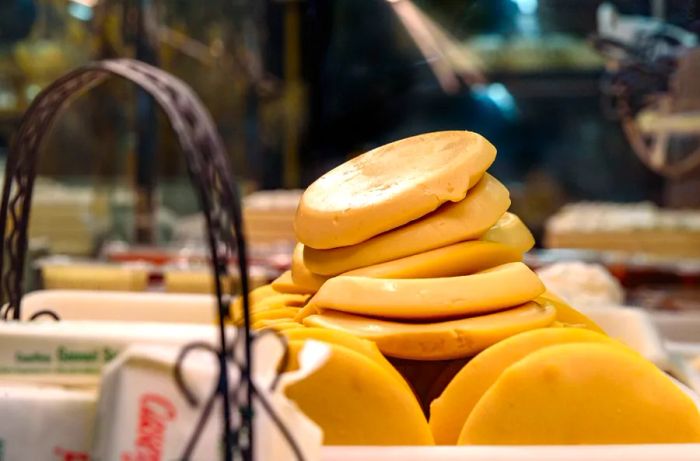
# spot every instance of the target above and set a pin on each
(309, 308)
(285, 284)
(277, 301)
(356, 401)
(277, 325)
(582, 393)
(262, 292)
(441, 340)
(301, 275)
(451, 223)
(567, 314)
(390, 186)
(511, 231)
(255, 296)
(271, 314)
(494, 289)
(459, 259)
(367, 348)
(449, 412)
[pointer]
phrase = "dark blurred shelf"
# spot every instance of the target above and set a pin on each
(550, 83)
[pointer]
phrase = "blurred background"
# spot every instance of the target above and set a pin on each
(594, 108)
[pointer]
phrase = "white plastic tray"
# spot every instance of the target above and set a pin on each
(634, 327)
(679, 327)
(680, 452)
(122, 306)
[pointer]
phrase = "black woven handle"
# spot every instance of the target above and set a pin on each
(209, 171)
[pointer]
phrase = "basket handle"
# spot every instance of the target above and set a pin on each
(208, 169)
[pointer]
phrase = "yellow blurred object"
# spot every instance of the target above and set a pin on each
(267, 301)
(94, 277)
(285, 284)
(281, 324)
(285, 326)
(262, 292)
(272, 314)
(278, 301)
(310, 308)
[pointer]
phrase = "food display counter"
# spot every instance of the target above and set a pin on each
(401, 300)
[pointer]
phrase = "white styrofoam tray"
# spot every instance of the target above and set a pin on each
(122, 306)
(633, 327)
(677, 452)
(679, 327)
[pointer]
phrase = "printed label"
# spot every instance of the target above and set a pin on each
(155, 412)
(68, 455)
(62, 359)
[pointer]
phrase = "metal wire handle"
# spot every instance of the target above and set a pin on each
(193, 401)
(208, 169)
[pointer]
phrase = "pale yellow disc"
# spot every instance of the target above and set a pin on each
(285, 284)
(451, 223)
(450, 410)
(459, 259)
(390, 186)
(301, 275)
(511, 231)
(356, 401)
(494, 289)
(440, 340)
(582, 394)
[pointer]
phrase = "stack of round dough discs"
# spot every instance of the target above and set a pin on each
(408, 252)
(451, 223)
(417, 234)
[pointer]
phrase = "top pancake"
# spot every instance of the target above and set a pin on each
(390, 186)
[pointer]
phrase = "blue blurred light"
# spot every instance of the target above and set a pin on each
(499, 95)
(80, 11)
(526, 6)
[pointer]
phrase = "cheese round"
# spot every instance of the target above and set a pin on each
(487, 291)
(390, 186)
(285, 284)
(301, 275)
(277, 325)
(582, 394)
(450, 410)
(440, 340)
(356, 401)
(357, 344)
(567, 315)
(451, 223)
(459, 259)
(511, 231)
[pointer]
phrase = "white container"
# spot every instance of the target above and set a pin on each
(679, 327)
(677, 452)
(74, 352)
(122, 306)
(635, 328)
(45, 422)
